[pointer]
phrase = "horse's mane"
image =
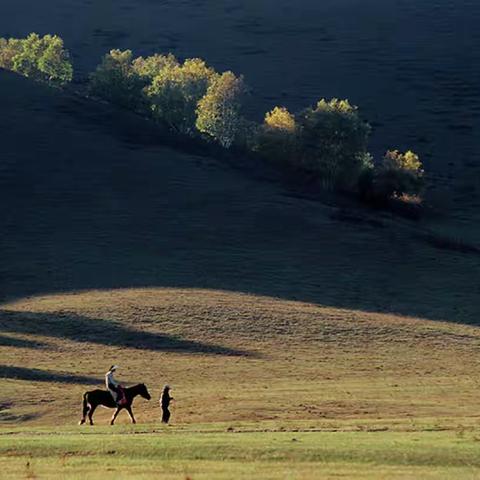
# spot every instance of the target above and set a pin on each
(136, 386)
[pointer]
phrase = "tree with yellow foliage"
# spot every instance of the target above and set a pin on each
(398, 174)
(218, 112)
(278, 136)
(175, 92)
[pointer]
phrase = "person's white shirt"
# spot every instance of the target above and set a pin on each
(110, 380)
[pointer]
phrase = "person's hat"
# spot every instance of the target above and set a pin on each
(113, 367)
(166, 387)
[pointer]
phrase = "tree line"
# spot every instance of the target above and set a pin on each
(327, 141)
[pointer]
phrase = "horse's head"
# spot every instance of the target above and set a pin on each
(144, 392)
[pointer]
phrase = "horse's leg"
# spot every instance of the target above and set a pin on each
(117, 411)
(84, 416)
(90, 413)
(85, 409)
(129, 410)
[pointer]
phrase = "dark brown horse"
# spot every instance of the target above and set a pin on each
(94, 398)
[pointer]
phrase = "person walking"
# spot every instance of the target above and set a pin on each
(165, 403)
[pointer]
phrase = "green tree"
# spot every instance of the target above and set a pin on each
(278, 136)
(26, 61)
(398, 174)
(40, 58)
(9, 48)
(116, 80)
(280, 119)
(247, 135)
(218, 112)
(152, 66)
(334, 143)
(54, 63)
(175, 92)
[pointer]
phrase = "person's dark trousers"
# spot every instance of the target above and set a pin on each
(165, 414)
(118, 391)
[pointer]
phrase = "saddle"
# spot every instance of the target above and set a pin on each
(122, 399)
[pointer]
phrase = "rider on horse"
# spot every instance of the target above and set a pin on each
(114, 387)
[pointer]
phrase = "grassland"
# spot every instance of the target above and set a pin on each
(272, 315)
(263, 387)
(236, 357)
(148, 453)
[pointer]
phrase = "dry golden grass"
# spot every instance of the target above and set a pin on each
(237, 358)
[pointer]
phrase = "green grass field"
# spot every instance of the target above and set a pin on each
(186, 453)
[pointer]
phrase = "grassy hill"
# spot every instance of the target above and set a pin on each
(235, 357)
(90, 207)
(266, 311)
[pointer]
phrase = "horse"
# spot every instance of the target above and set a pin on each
(94, 398)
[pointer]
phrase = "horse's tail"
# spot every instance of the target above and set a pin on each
(85, 409)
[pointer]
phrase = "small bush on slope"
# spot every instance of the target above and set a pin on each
(399, 174)
(278, 137)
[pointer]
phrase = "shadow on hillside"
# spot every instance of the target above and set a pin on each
(7, 416)
(6, 341)
(100, 331)
(82, 209)
(37, 375)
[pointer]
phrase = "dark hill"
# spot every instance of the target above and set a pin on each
(411, 66)
(83, 205)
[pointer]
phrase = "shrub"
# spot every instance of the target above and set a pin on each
(116, 80)
(247, 134)
(26, 61)
(278, 136)
(54, 62)
(175, 92)
(148, 68)
(398, 174)
(334, 143)
(219, 110)
(8, 50)
(280, 119)
(40, 58)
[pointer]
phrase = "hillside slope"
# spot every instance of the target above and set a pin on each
(235, 358)
(187, 270)
(88, 201)
(419, 90)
